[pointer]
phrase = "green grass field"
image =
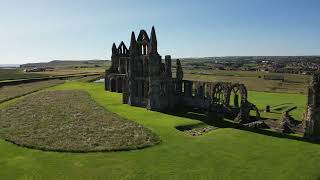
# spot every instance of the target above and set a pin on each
(224, 153)
(279, 102)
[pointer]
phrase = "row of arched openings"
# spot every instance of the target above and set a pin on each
(220, 93)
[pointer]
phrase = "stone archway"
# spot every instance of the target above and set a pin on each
(237, 95)
(219, 92)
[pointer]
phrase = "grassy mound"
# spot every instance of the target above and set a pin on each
(69, 121)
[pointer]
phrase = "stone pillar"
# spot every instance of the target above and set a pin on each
(178, 88)
(191, 88)
(146, 88)
(140, 90)
(113, 85)
(124, 91)
(154, 81)
(200, 91)
(179, 73)
(267, 109)
(154, 95)
(188, 88)
(236, 100)
(312, 115)
(168, 66)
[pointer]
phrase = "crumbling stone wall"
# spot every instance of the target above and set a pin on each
(312, 115)
(289, 124)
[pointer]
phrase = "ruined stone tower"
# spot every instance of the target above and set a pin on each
(140, 74)
(312, 115)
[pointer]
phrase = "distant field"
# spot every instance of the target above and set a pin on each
(254, 81)
(70, 64)
(6, 74)
(15, 74)
(65, 71)
(11, 92)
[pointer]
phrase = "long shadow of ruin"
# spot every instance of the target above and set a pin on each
(219, 121)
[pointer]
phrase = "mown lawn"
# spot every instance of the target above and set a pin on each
(279, 102)
(220, 154)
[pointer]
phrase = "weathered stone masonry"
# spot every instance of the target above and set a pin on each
(312, 115)
(145, 81)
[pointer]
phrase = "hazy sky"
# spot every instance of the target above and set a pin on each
(43, 30)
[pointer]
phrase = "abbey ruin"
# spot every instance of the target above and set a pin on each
(146, 80)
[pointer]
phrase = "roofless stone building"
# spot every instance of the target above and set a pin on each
(145, 80)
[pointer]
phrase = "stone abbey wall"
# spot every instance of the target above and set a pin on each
(312, 115)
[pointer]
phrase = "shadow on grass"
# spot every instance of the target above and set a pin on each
(219, 121)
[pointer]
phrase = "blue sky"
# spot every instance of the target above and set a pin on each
(43, 30)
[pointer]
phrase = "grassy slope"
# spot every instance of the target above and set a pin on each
(222, 153)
